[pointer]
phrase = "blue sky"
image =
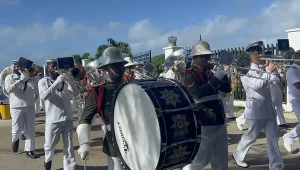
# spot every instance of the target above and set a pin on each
(38, 29)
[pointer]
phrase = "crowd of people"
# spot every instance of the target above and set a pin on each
(210, 88)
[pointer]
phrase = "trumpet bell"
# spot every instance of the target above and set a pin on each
(33, 71)
(78, 72)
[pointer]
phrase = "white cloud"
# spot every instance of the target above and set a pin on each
(40, 41)
(60, 29)
(221, 31)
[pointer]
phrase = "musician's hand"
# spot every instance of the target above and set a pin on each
(61, 79)
(23, 77)
(84, 151)
(220, 74)
(272, 66)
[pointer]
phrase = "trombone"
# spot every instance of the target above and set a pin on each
(32, 72)
(73, 75)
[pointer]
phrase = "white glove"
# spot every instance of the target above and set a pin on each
(220, 74)
(83, 132)
(84, 151)
(60, 79)
(23, 77)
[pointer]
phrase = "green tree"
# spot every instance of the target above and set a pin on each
(125, 47)
(158, 61)
(78, 58)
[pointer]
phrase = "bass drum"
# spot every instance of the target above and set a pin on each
(154, 125)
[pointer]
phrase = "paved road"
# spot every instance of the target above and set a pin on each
(257, 157)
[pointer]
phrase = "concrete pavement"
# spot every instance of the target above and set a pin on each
(256, 158)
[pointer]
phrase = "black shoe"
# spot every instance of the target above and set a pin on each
(284, 125)
(23, 137)
(15, 146)
(31, 154)
(231, 118)
(48, 165)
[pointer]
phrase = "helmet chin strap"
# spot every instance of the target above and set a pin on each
(112, 70)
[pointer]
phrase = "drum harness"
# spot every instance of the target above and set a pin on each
(99, 100)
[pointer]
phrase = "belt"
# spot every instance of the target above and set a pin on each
(207, 98)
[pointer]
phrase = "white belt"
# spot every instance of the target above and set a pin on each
(207, 98)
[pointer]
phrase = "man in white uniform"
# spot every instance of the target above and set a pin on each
(293, 81)
(55, 90)
(22, 109)
(259, 111)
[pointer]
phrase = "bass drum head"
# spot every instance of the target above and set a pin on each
(136, 128)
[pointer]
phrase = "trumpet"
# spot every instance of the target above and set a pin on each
(32, 72)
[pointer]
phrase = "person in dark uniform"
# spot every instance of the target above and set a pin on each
(98, 100)
(204, 87)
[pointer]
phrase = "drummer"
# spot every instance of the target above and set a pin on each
(113, 63)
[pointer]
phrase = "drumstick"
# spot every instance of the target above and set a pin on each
(84, 163)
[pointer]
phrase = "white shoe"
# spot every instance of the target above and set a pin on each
(239, 125)
(287, 146)
(241, 164)
(229, 138)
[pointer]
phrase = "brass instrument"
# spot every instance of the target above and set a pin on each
(177, 62)
(29, 73)
(7, 71)
(74, 75)
(241, 65)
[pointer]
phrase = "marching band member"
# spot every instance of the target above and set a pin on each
(204, 87)
(22, 109)
(259, 111)
(98, 101)
(129, 67)
(293, 82)
(55, 91)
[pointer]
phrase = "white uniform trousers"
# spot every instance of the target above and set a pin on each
(213, 148)
(52, 136)
(228, 105)
(248, 139)
(294, 134)
(24, 117)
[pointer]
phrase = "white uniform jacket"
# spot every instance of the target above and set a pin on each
(57, 104)
(258, 104)
(18, 97)
(293, 76)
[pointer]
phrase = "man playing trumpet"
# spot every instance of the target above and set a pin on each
(22, 108)
(55, 90)
(259, 110)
